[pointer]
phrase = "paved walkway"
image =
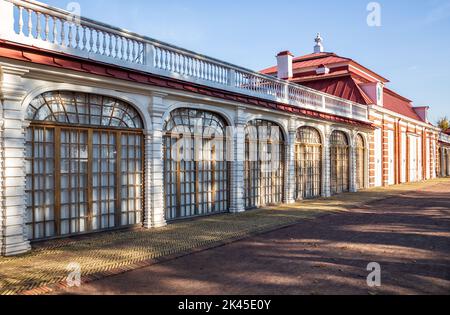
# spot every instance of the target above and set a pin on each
(325, 255)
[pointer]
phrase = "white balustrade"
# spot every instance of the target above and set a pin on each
(444, 138)
(33, 23)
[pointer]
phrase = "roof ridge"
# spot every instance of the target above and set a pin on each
(395, 94)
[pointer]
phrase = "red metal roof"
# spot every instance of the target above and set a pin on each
(325, 58)
(345, 82)
(399, 104)
(60, 60)
(311, 60)
(344, 87)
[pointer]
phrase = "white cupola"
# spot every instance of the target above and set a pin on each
(318, 48)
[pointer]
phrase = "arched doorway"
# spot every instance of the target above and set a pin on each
(339, 160)
(84, 164)
(308, 163)
(195, 165)
(264, 164)
(360, 154)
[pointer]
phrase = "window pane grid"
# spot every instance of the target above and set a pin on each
(264, 164)
(308, 163)
(195, 186)
(73, 170)
(360, 158)
(132, 173)
(339, 160)
(81, 179)
(40, 189)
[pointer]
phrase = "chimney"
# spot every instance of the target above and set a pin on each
(319, 45)
(284, 64)
(422, 112)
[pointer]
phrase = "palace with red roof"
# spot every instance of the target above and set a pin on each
(401, 146)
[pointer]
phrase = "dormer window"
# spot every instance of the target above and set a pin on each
(322, 70)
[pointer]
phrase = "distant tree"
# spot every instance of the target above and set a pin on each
(444, 123)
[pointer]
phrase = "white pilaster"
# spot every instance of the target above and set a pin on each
(155, 212)
(290, 164)
(326, 168)
(237, 164)
(352, 161)
(13, 200)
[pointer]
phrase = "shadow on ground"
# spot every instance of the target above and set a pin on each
(407, 234)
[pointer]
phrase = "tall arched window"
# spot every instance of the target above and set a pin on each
(84, 164)
(360, 153)
(308, 163)
(339, 160)
(195, 167)
(264, 164)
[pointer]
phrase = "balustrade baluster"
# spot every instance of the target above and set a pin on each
(38, 25)
(122, 48)
(47, 27)
(194, 67)
(97, 42)
(182, 64)
(110, 46)
(156, 64)
(134, 51)
(20, 21)
(104, 43)
(55, 31)
(30, 24)
(91, 40)
(77, 36)
(85, 48)
(127, 57)
(166, 60)
(63, 34)
(69, 35)
(116, 47)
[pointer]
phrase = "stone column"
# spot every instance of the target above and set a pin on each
(154, 179)
(326, 166)
(14, 238)
(237, 157)
(290, 165)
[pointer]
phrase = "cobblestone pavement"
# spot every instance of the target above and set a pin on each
(114, 253)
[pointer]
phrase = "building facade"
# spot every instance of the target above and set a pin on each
(104, 129)
(403, 147)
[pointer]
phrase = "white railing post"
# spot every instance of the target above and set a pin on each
(324, 103)
(231, 77)
(286, 92)
(148, 56)
(6, 20)
(351, 110)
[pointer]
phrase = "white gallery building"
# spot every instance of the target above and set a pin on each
(104, 129)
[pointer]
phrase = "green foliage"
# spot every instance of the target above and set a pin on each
(444, 123)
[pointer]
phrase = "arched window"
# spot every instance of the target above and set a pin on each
(360, 153)
(308, 163)
(339, 160)
(84, 164)
(75, 108)
(264, 164)
(195, 167)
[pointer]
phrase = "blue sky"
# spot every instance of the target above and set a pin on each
(411, 48)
